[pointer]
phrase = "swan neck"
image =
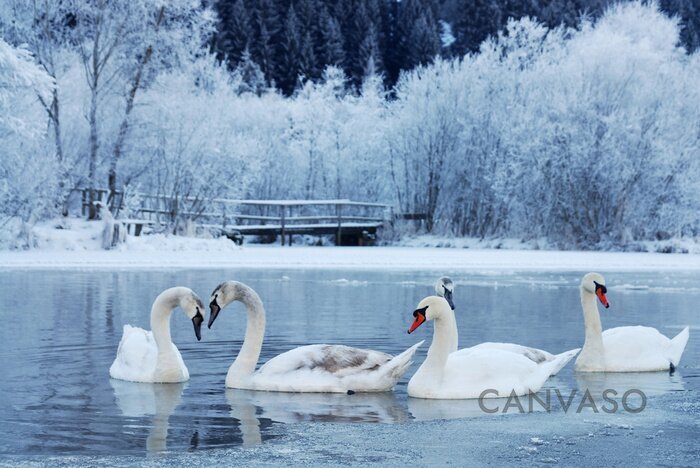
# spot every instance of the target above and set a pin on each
(591, 319)
(161, 311)
(444, 332)
(247, 358)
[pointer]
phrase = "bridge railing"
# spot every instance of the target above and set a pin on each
(287, 217)
(262, 217)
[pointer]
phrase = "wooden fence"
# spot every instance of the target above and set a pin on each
(351, 222)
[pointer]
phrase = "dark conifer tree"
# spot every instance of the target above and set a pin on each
(408, 13)
(370, 55)
(689, 13)
(307, 13)
(360, 41)
(424, 41)
(287, 38)
(332, 42)
(265, 30)
(236, 32)
(476, 20)
(307, 59)
(389, 12)
(288, 63)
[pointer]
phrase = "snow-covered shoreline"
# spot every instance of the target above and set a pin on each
(360, 258)
(77, 246)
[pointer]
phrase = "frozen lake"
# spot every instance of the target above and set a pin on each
(60, 331)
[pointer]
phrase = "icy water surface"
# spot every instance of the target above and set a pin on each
(60, 331)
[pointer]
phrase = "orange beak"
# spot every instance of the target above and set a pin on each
(602, 298)
(420, 318)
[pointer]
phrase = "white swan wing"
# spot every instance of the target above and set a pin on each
(535, 355)
(483, 372)
(136, 356)
(326, 358)
(538, 356)
(640, 349)
(331, 368)
(494, 369)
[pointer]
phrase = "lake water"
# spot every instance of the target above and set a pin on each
(60, 331)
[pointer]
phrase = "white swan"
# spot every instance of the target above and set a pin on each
(474, 372)
(622, 349)
(151, 356)
(444, 287)
(313, 368)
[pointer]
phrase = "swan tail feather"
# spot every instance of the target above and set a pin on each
(561, 360)
(398, 365)
(678, 345)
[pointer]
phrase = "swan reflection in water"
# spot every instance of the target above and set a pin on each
(425, 409)
(137, 400)
(617, 384)
(249, 406)
(600, 385)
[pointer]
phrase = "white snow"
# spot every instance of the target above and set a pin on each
(674, 244)
(79, 247)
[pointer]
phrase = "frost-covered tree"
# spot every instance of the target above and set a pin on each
(572, 135)
(117, 40)
(45, 28)
(27, 166)
(249, 75)
(425, 124)
(584, 136)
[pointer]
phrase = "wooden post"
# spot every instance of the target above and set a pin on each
(84, 201)
(282, 223)
(338, 233)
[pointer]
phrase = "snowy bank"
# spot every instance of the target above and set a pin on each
(369, 258)
(666, 245)
(78, 247)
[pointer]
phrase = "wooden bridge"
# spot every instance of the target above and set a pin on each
(350, 222)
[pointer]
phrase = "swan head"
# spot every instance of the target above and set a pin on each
(194, 309)
(444, 287)
(430, 308)
(594, 283)
(226, 293)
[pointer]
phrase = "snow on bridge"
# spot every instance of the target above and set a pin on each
(350, 222)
